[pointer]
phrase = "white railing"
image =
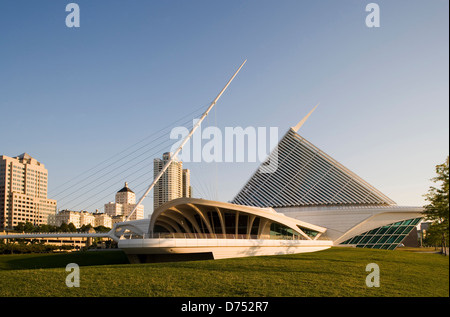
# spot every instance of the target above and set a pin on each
(209, 236)
(38, 233)
(30, 235)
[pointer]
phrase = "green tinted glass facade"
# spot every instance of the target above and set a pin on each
(387, 237)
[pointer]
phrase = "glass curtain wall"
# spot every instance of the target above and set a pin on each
(386, 237)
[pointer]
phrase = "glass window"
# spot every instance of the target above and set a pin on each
(277, 229)
(407, 222)
(230, 223)
(401, 229)
(215, 221)
(391, 230)
(383, 229)
(391, 234)
(374, 239)
(310, 233)
(357, 239)
(392, 238)
(365, 239)
(416, 221)
(255, 226)
(242, 223)
(373, 231)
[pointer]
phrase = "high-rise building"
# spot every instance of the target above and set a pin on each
(187, 188)
(23, 192)
(124, 204)
(174, 183)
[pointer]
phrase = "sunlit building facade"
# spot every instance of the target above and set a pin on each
(125, 202)
(310, 185)
(23, 192)
(175, 183)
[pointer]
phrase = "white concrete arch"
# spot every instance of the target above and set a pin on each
(188, 208)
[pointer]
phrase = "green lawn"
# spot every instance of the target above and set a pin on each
(333, 272)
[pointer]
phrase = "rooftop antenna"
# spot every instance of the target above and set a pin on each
(172, 158)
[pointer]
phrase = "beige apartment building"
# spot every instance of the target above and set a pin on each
(102, 219)
(82, 218)
(174, 183)
(23, 192)
(124, 204)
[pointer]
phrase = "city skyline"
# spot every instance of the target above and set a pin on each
(76, 97)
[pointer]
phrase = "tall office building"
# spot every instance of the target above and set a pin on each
(23, 192)
(174, 183)
(124, 204)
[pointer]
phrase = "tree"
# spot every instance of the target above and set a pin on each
(64, 227)
(20, 227)
(28, 227)
(71, 227)
(102, 229)
(86, 228)
(438, 208)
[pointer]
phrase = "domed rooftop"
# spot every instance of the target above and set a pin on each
(125, 189)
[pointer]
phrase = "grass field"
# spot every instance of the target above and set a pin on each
(330, 273)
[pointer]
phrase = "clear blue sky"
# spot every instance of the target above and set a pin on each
(74, 97)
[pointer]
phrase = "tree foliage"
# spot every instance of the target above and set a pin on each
(33, 247)
(64, 227)
(438, 208)
(16, 246)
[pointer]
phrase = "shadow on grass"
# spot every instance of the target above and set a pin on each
(52, 260)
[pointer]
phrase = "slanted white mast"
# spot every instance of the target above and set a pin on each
(184, 142)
